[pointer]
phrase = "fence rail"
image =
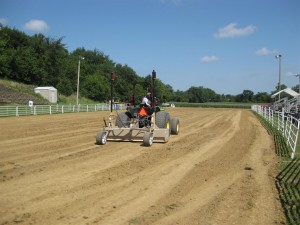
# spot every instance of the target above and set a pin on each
(286, 124)
(24, 110)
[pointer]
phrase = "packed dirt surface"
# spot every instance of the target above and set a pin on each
(219, 170)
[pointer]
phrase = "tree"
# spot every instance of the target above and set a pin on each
(95, 87)
(296, 88)
(64, 86)
(202, 95)
(263, 97)
(246, 96)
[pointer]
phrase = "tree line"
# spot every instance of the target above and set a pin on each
(45, 61)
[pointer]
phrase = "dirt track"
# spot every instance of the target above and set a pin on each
(219, 170)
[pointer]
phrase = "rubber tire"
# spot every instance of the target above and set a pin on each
(101, 138)
(122, 120)
(148, 139)
(162, 120)
(175, 125)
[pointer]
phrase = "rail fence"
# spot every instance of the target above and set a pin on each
(24, 110)
(286, 124)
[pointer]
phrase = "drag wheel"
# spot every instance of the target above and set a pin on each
(148, 139)
(101, 138)
(174, 125)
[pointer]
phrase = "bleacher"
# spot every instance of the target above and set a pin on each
(291, 105)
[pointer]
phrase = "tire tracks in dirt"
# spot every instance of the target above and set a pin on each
(64, 178)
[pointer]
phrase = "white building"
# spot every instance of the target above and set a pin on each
(49, 93)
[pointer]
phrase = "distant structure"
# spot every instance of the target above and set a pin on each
(291, 105)
(49, 93)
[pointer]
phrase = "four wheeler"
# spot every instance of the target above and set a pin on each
(146, 124)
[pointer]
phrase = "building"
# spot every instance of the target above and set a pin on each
(49, 93)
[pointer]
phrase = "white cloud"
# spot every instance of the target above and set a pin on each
(265, 51)
(36, 26)
(3, 21)
(231, 31)
(208, 58)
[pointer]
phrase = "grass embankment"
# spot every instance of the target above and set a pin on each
(29, 89)
(26, 89)
(288, 180)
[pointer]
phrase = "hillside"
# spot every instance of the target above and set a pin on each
(17, 93)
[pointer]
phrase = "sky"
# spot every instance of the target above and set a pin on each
(225, 45)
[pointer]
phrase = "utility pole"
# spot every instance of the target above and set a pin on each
(279, 83)
(78, 75)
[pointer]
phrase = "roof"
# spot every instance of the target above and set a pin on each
(45, 88)
(288, 91)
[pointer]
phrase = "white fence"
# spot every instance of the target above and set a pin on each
(23, 110)
(285, 123)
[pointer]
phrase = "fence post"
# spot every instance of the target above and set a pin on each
(50, 110)
(272, 117)
(296, 140)
(282, 125)
(286, 128)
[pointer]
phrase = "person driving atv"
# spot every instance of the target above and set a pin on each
(146, 104)
(146, 100)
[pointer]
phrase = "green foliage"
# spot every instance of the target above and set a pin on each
(201, 95)
(95, 87)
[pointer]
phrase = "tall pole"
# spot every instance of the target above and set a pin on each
(299, 83)
(111, 90)
(78, 75)
(153, 89)
(279, 83)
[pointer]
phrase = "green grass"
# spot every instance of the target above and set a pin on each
(215, 105)
(288, 180)
(67, 100)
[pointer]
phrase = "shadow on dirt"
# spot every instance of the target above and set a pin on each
(288, 180)
(288, 186)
